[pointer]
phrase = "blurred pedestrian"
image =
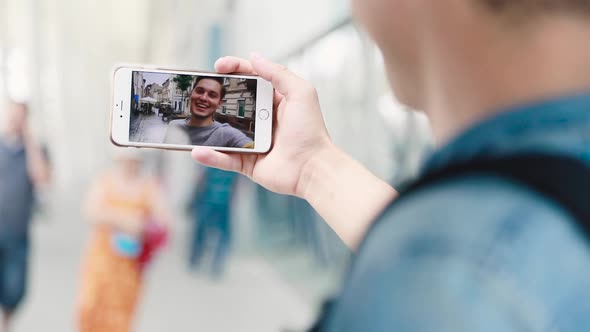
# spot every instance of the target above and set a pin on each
(123, 205)
(24, 168)
(211, 207)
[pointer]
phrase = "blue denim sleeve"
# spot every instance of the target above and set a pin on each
(462, 259)
(428, 292)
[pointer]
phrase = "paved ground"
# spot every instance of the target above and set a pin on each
(267, 287)
(252, 296)
(148, 129)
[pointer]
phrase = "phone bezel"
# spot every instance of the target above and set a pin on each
(121, 116)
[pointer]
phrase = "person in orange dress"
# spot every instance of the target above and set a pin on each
(120, 204)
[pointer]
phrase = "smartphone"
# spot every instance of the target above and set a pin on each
(178, 110)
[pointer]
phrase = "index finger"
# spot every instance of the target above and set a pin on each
(283, 80)
(231, 64)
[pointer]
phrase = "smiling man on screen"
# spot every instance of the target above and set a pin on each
(200, 128)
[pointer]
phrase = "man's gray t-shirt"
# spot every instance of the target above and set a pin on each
(16, 192)
(217, 135)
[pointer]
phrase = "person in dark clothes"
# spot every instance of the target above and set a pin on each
(211, 208)
(23, 169)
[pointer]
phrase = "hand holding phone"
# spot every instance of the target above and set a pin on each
(178, 110)
(299, 136)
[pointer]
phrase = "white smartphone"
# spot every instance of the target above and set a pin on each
(178, 110)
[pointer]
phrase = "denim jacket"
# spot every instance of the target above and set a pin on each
(479, 253)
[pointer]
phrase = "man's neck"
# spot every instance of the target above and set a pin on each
(467, 88)
(199, 122)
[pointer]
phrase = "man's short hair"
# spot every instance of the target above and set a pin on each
(535, 7)
(219, 80)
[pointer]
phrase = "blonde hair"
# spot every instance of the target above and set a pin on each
(127, 154)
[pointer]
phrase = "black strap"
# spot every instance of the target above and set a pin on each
(562, 179)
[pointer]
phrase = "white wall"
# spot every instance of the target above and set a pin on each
(273, 28)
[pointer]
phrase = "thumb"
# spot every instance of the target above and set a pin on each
(216, 159)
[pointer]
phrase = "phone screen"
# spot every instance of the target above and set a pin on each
(201, 110)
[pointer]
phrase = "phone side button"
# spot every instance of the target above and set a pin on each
(263, 114)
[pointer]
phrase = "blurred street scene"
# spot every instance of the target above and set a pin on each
(267, 262)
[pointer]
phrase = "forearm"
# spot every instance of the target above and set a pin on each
(347, 195)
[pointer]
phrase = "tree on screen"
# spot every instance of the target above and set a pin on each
(183, 83)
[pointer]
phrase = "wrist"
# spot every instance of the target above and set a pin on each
(344, 193)
(315, 169)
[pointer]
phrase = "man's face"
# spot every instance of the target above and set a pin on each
(16, 119)
(205, 98)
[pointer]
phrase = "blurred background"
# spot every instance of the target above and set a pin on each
(281, 261)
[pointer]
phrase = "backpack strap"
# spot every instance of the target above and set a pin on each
(564, 180)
